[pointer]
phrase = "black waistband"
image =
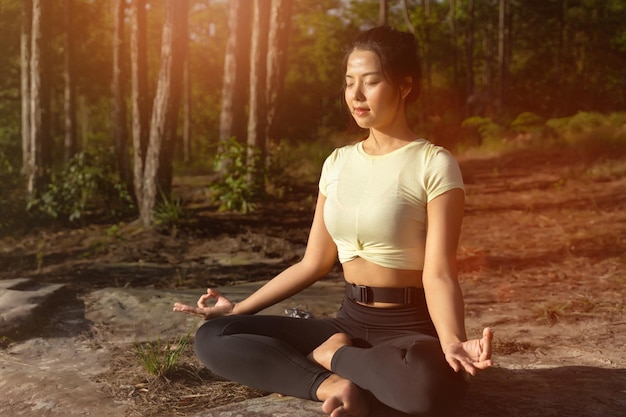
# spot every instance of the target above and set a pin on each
(365, 294)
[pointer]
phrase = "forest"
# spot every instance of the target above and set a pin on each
(104, 103)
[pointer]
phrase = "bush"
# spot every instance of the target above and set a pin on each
(88, 184)
(489, 132)
(235, 189)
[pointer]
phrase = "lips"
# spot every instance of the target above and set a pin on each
(361, 111)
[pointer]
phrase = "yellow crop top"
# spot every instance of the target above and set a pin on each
(376, 205)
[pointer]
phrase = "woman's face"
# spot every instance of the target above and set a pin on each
(372, 100)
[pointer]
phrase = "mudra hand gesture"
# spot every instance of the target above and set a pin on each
(472, 355)
(222, 307)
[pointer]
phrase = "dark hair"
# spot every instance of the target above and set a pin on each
(398, 56)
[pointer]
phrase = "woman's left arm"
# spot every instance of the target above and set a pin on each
(443, 293)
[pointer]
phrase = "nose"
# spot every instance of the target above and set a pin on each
(356, 93)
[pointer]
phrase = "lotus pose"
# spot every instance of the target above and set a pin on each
(390, 208)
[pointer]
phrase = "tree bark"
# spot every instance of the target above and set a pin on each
(180, 40)
(165, 108)
(469, 56)
(139, 94)
(236, 70)
(25, 47)
(280, 23)
(118, 90)
(256, 108)
(70, 142)
(186, 109)
(427, 45)
(407, 20)
(382, 12)
(39, 161)
(501, 52)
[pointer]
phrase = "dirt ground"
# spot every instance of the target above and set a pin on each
(542, 261)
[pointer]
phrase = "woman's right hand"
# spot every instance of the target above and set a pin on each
(222, 307)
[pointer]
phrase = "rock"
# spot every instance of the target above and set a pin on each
(22, 302)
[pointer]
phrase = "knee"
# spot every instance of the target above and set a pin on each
(206, 342)
(436, 391)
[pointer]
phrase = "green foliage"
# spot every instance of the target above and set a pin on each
(160, 358)
(11, 200)
(527, 122)
(235, 189)
(584, 122)
(170, 212)
(88, 184)
(487, 130)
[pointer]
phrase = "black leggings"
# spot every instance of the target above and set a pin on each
(396, 355)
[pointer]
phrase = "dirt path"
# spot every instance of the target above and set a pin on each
(542, 261)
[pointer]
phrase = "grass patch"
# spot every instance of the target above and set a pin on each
(161, 358)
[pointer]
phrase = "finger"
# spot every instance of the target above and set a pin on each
(183, 308)
(213, 293)
(203, 300)
(454, 364)
(179, 306)
(485, 344)
(483, 364)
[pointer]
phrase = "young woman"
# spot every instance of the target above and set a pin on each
(390, 207)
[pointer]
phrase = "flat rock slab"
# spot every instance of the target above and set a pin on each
(21, 301)
(270, 406)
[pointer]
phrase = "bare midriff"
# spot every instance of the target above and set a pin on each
(362, 272)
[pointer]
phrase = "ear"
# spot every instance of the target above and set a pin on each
(406, 86)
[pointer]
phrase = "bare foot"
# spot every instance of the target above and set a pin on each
(323, 354)
(342, 398)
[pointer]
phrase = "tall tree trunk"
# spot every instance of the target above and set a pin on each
(139, 93)
(165, 106)
(236, 72)
(454, 40)
(120, 130)
(382, 12)
(186, 109)
(280, 23)
(427, 44)
(407, 20)
(180, 41)
(25, 47)
(501, 53)
(70, 142)
(469, 56)
(256, 108)
(489, 78)
(40, 146)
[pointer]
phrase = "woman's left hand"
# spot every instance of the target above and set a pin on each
(471, 355)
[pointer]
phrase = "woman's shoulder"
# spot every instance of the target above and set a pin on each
(429, 150)
(342, 152)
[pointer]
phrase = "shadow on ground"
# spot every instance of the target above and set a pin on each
(550, 392)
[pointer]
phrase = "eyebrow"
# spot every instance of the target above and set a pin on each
(366, 74)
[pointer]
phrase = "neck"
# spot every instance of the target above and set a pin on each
(382, 141)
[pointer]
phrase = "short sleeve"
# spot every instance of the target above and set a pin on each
(442, 174)
(323, 183)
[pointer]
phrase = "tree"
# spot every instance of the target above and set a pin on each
(280, 21)
(139, 93)
(256, 107)
(236, 70)
(70, 142)
(382, 12)
(25, 47)
(40, 144)
(504, 31)
(120, 130)
(164, 111)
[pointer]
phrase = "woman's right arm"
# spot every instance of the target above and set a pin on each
(318, 260)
